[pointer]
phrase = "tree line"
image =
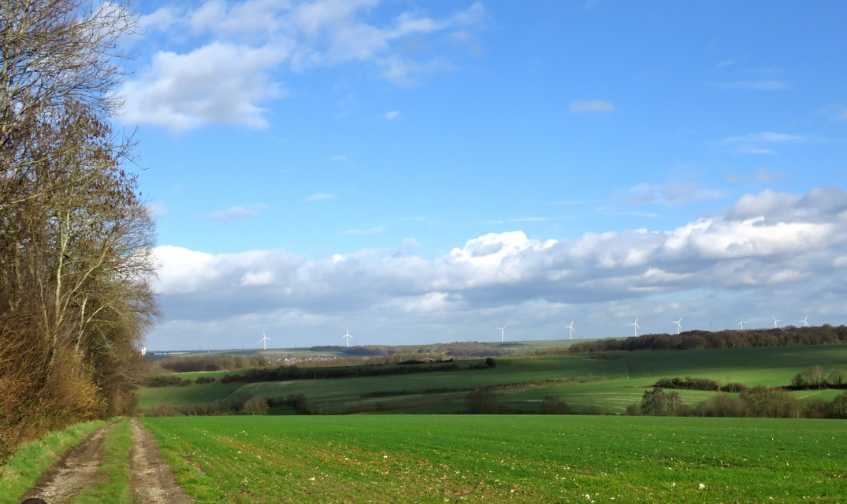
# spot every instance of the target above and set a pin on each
(700, 340)
(75, 235)
(216, 362)
(765, 402)
(288, 373)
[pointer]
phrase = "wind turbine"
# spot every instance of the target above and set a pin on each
(635, 327)
(571, 329)
(502, 332)
(775, 322)
(678, 325)
(741, 324)
(347, 337)
(805, 321)
(264, 340)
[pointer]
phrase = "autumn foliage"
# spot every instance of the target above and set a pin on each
(75, 236)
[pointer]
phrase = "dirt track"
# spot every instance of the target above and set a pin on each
(152, 480)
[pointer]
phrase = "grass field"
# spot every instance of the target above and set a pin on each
(584, 382)
(584, 459)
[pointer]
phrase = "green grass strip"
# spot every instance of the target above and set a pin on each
(115, 467)
(32, 459)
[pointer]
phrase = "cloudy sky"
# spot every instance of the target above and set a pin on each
(427, 171)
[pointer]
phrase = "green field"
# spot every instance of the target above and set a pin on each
(585, 459)
(583, 381)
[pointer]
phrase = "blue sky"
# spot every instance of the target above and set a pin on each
(428, 171)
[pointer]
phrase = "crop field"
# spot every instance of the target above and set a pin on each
(446, 458)
(583, 381)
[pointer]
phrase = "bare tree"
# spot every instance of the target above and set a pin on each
(75, 238)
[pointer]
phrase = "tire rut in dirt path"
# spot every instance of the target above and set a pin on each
(75, 471)
(152, 479)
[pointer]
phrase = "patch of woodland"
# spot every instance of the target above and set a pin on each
(701, 340)
(289, 373)
(176, 381)
(75, 233)
(217, 362)
(255, 405)
(762, 402)
(689, 383)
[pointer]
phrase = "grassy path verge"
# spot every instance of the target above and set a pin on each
(33, 459)
(113, 475)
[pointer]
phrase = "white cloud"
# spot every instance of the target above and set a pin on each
(762, 175)
(673, 192)
(338, 158)
(320, 197)
(753, 143)
(518, 220)
(236, 212)
(364, 231)
(779, 250)
(220, 83)
(592, 107)
(394, 114)
(157, 209)
(757, 85)
(766, 136)
(237, 52)
(839, 113)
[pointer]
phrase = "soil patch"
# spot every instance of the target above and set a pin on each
(75, 471)
(152, 480)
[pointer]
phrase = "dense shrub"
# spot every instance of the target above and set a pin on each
(656, 402)
(552, 405)
(481, 402)
(296, 401)
(688, 383)
(168, 381)
(255, 406)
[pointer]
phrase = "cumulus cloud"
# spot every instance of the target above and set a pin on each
(773, 251)
(237, 52)
(592, 107)
(220, 83)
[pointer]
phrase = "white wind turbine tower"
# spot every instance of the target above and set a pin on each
(775, 322)
(502, 332)
(264, 340)
(571, 329)
(347, 337)
(741, 324)
(805, 321)
(678, 325)
(635, 326)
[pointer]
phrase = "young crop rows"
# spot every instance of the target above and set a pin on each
(504, 459)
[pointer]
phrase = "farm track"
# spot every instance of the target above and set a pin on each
(75, 471)
(152, 480)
